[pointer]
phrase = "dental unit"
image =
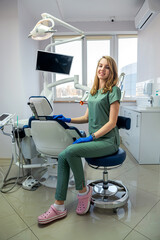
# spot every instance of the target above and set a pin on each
(24, 150)
(31, 138)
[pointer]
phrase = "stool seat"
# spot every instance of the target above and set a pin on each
(108, 161)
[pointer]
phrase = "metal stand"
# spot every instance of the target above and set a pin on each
(108, 194)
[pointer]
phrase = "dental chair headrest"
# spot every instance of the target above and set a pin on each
(40, 106)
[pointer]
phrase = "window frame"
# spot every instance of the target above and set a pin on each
(113, 53)
(96, 38)
(123, 36)
(55, 98)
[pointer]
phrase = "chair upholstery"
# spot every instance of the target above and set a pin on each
(50, 136)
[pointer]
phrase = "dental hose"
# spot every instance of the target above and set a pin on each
(6, 181)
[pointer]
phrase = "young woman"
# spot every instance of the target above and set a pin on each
(101, 114)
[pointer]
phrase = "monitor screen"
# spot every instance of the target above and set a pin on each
(53, 62)
(3, 116)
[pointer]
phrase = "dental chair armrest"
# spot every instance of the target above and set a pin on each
(78, 133)
(66, 126)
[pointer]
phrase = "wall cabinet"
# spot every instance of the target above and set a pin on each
(143, 139)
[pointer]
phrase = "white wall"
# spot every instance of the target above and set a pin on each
(28, 53)
(18, 79)
(149, 54)
(102, 27)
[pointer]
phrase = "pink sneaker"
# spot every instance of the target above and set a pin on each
(51, 215)
(84, 202)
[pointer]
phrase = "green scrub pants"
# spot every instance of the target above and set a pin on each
(71, 158)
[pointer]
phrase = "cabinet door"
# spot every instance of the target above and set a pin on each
(135, 134)
(125, 134)
(150, 138)
(131, 138)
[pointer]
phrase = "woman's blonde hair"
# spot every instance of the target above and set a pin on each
(112, 79)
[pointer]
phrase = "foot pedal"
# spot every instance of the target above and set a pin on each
(31, 184)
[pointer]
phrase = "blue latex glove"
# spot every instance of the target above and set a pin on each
(61, 118)
(82, 140)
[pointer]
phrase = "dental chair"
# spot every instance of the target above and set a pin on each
(50, 137)
(107, 193)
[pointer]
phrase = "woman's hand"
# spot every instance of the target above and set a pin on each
(61, 118)
(82, 140)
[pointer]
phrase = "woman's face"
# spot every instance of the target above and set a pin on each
(103, 69)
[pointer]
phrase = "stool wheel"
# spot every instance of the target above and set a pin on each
(115, 210)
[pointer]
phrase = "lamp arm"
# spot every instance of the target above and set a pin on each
(62, 42)
(49, 94)
(74, 79)
(59, 82)
(79, 86)
(46, 15)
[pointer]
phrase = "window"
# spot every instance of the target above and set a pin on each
(127, 63)
(67, 90)
(87, 52)
(96, 48)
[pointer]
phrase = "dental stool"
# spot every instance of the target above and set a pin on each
(107, 193)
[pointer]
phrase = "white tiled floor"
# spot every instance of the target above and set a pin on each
(138, 220)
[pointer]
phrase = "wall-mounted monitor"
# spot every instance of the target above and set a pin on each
(53, 62)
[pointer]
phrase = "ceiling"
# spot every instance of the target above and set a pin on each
(84, 10)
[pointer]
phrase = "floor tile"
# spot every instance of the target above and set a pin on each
(137, 220)
(13, 174)
(145, 178)
(139, 204)
(149, 226)
(10, 222)
(94, 225)
(136, 236)
(30, 204)
(25, 235)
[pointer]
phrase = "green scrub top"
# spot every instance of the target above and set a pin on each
(99, 109)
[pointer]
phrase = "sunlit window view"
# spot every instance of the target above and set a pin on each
(67, 90)
(127, 63)
(96, 47)
(95, 50)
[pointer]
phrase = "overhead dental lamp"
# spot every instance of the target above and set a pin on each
(44, 28)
